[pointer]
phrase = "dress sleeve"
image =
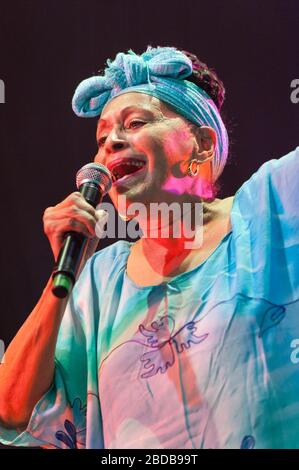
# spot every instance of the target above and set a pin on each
(265, 217)
(59, 418)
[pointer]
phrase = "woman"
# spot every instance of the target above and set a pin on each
(164, 344)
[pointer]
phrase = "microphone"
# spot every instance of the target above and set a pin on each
(93, 181)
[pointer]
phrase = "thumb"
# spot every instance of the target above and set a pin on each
(102, 218)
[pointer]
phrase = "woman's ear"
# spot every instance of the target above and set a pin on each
(206, 140)
(209, 137)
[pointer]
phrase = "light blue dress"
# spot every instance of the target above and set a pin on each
(208, 360)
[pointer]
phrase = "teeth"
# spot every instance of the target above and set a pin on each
(134, 163)
(138, 164)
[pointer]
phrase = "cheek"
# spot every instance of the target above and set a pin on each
(170, 141)
(178, 145)
(152, 145)
(98, 158)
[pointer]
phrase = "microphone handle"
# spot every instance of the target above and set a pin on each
(73, 248)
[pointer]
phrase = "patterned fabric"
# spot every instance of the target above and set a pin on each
(208, 360)
(158, 72)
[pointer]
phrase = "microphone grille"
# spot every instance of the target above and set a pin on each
(94, 173)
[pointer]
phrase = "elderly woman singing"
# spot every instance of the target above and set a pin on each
(186, 341)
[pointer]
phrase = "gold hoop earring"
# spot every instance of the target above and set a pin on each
(190, 169)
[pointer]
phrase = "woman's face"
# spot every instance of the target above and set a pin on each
(137, 132)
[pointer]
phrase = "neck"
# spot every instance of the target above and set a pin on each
(171, 233)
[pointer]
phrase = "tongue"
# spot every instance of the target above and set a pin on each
(125, 169)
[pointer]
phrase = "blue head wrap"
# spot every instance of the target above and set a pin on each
(161, 72)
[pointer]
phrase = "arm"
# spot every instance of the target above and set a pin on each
(28, 368)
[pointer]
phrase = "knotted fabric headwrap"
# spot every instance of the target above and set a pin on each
(161, 72)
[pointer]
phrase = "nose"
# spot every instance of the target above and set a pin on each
(114, 143)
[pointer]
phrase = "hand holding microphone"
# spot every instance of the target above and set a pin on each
(70, 225)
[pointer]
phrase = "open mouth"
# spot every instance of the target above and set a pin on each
(124, 167)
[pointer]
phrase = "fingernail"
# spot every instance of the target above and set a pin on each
(101, 214)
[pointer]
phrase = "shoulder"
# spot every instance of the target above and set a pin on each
(115, 249)
(104, 263)
(107, 257)
(112, 253)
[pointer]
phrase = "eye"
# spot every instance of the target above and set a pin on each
(135, 123)
(102, 140)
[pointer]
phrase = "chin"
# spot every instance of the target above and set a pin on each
(137, 193)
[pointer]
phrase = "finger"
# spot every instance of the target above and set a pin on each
(60, 228)
(77, 200)
(102, 218)
(69, 215)
(101, 215)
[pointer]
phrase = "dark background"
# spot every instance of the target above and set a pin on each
(48, 47)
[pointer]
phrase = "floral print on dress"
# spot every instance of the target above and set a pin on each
(73, 434)
(164, 343)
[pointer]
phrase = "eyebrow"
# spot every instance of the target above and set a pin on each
(101, 124)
